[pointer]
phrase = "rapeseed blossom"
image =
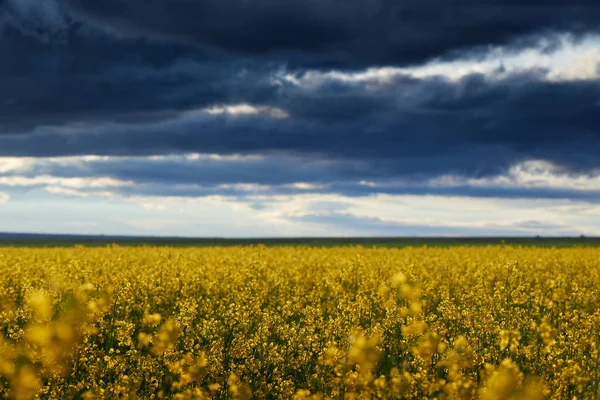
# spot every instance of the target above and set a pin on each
(300, 323)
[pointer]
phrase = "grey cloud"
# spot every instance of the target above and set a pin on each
(244, 178)
(473, 127)
(335, 32)
(376, 226)
(128, 78)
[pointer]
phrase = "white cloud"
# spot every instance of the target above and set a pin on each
(244, 187)
(525, 216)
(221, 157)
(15, 164)
(542, 174)
(262, 213)
(66, 191)
(20, 165)
(70, 160)
(75, 183)
(313, 214)
(570, 61)
(305, 186)
(235, 110)
(532, 174)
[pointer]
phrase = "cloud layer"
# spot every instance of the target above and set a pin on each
(335, 32)
(236, 98)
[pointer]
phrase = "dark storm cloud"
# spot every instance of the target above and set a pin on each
(58, 84)
(119, 77)
(56, 69)
(474, 127)
(339, 32)
(126, 93)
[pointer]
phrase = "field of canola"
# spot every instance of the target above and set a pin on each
(300, 323)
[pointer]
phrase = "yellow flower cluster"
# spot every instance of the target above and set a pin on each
(300, 323)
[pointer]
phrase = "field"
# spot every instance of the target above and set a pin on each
(489, 322)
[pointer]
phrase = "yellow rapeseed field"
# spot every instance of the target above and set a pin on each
(300, 323)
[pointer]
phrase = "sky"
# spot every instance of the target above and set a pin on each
(269, 118)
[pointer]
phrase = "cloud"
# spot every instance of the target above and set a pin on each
(473, 127)
(14, 164)
(379, 227)
(567, 60)
(312, 214)
(157, 103)
(74, 183)
(123, 83)
(114, 75)
(324, 33)
(235, 176)
(395, 215)
(539, 174)
(59, 190)
(4, 198)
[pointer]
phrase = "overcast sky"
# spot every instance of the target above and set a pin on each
(300, 118)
